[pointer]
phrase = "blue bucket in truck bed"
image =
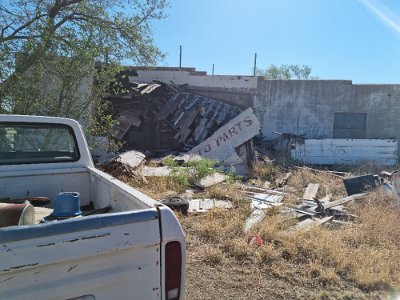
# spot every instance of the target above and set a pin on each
(67, 204)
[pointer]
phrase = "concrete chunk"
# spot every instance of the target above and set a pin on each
(212, 179)
(202, 205)
(132, 158)
(156, 171)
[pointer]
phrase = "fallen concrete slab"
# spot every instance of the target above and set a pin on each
(309, 223)
(212, 179)
(203, 205)
(131, 158)
(156, 171)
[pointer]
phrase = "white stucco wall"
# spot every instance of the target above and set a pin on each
(186, 77)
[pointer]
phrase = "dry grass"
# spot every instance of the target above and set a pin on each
(227, 191)
(361, 261)
(328, 184)
(365, 255)
(213, 256)
(218, 226)
(156, 187)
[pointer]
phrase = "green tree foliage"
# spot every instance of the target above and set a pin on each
(48, 50)
(286, 72)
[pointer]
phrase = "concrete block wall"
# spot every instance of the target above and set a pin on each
(308, 106)
(193, 78)
(294, 106)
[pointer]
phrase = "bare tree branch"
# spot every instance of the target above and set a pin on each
(22, 27)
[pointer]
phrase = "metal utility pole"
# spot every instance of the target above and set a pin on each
(213, 70)
(255, 64)
(180, 56)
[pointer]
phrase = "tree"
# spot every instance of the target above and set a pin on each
(48, 49)
(286, 72)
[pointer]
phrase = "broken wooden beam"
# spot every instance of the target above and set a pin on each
(309, 223)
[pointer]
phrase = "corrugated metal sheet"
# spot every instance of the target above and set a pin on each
(346, 151)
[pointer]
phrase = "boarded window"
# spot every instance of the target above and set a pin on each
(349, 125)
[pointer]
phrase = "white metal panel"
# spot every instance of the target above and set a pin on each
(45, 183)
(118, 262)
(106, 190)
(346, 151)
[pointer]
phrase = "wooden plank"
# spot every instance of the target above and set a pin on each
(266, 198)
(257, 188)
(309, 223)
(344, 200)
(256, 217)
(311, 191)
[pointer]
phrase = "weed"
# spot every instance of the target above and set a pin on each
(263, 171)
(191, 171)
(328, 184)
(201, 167)
(169, 161)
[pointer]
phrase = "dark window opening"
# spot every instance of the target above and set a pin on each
(349, 125)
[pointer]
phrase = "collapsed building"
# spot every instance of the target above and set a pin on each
(320, 121)
(161, 117)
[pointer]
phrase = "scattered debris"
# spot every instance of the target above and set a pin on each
(283, 180)
(332, 173)
(264, 198)
(256, 240)
(396, 183)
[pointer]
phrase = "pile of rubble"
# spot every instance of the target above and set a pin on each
(165, 119)
(158, 116)
(309, 210)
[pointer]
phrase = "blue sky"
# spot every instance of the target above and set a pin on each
(357, 40)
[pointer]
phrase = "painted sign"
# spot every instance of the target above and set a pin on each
(223, 142)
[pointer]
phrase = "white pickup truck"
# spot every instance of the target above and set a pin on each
(134, 251)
